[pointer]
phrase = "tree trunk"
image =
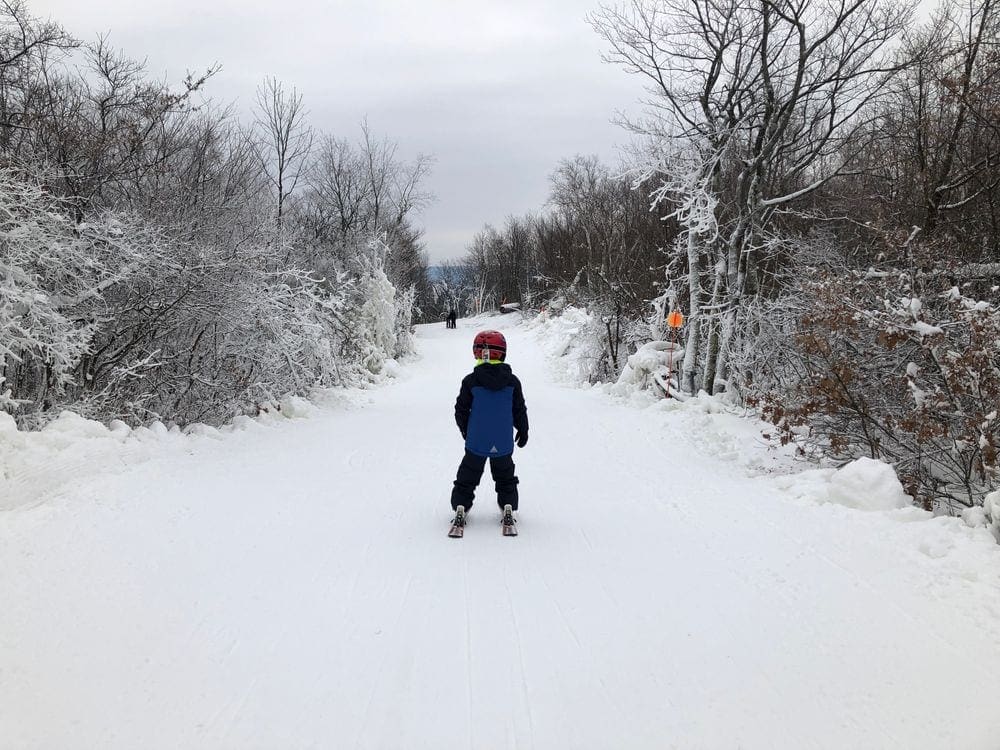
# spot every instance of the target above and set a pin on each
(714, 342)
(726, 328)
(694, 315)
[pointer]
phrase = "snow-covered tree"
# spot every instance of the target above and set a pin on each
(768, 97)
(143, 274)
(53, 274)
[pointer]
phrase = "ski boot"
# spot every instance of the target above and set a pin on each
(508, 522)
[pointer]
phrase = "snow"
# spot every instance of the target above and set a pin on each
(295, 407)
(975, 517)
(991, 506)
(33, 465)
(650, 357)
(867, 484)
(912, 305)
(289, 583)
(926, 329)
(391, 368)
(569, 339)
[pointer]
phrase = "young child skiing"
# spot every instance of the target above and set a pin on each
(489, 409)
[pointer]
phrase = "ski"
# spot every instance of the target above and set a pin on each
(457, 529)
(508, 523)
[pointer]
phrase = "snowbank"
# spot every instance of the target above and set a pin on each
(392, 369)
(572, 342)
(991, 509)
(867, 484)
(36, 464)
(863, 484)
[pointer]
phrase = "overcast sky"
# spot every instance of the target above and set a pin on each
(497, 92)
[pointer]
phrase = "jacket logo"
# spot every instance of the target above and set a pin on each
(494, 449)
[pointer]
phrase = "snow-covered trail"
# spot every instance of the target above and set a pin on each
(292, 586)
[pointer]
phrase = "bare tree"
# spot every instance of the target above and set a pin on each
(770, 95)
(364, 192)
(286, 140)
(933, 159)
(24, 43)
(103, 127)
(950, 77)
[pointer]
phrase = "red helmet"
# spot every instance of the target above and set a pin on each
(490, 345)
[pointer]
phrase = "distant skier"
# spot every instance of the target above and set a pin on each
(452, 317)
(489, 408)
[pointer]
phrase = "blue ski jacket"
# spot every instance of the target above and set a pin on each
(490, 406)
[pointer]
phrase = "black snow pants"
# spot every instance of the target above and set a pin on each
(470, 471)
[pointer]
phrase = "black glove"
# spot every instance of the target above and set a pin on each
(521, 438)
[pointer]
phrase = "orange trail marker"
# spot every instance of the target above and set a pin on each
(675, 320)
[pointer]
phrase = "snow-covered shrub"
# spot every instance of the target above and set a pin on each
(374, 320)
(579, 341)
(118, 320)
(405, 306)
(651, 363)
(573, 338)
(899, 366)
(53, 274)
(200, 334)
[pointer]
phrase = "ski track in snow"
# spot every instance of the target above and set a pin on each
(292, 586)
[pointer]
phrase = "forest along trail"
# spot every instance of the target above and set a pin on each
(293, 586)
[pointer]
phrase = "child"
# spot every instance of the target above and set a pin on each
(489, 408)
